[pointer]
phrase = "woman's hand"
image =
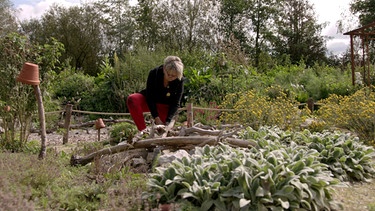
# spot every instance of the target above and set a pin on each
(158, 121)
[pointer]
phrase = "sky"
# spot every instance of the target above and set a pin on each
(326, 11)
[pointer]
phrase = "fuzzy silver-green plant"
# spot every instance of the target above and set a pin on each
(225, 178)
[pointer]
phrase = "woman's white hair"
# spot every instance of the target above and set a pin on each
(174, 64)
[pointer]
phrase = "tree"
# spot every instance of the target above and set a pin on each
(298, 34)
(8, 20)
(118, 25)
(188, 25)
(148, 29)
(232, 21)
(365, 10)
(78, 28)
(261, 14)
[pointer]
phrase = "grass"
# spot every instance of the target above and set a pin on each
(52, 184)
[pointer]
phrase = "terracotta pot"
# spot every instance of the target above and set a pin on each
(99, 124)
(165, 207)
(6, 108)
(29, 74)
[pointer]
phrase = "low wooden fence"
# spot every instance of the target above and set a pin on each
(189, 111)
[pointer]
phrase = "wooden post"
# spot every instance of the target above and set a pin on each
(190, 120)
(352, 59)
(99, 124)
(43, 134)
(68, 115)
(310, 104)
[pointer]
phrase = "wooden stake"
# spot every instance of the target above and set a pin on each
(190, 120)
(42, 121)
(68, 115)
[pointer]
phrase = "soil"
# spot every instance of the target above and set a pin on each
(353, 196)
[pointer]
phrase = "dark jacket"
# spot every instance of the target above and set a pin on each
(155, 92)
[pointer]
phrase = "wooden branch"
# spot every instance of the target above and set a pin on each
(175, 141)
(76, 160)
(167, 142)
(168, 128)
(190, 130)
(241, 143)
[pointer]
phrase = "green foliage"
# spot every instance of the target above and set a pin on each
(32, 147)
(79, 29)
(364, 11)
(115, 82)
(122, 132)
(8, 17)
(197, 84)
(315, 82)
(354, 112)
(76, 89)
(286, 171)
(224, 178)
(299, 43)
(15, 50)
(346, 156)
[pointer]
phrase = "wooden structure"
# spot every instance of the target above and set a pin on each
(366, 34)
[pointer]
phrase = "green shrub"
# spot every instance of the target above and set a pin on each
(123, 131)
(14, 51)
(75, 88)
(223, 178)
(32, 147)
(346, 156)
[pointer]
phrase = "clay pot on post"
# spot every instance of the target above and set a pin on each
(98, 125)
(30, 75)
(165, 207)
(7, 108)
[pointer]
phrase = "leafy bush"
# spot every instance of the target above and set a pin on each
(316, 82)
(20, 98)
(355, 113)
(224, 178)
(32, 147)
(346, 156)
(122, 132)
(74, 87)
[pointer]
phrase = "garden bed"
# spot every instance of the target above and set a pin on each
(353, 196)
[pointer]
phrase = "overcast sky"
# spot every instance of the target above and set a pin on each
(327, 11)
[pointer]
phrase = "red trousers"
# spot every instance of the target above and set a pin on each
(137, 105)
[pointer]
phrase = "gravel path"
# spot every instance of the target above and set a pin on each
(75, 136)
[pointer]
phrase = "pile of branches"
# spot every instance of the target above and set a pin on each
(172, 138)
